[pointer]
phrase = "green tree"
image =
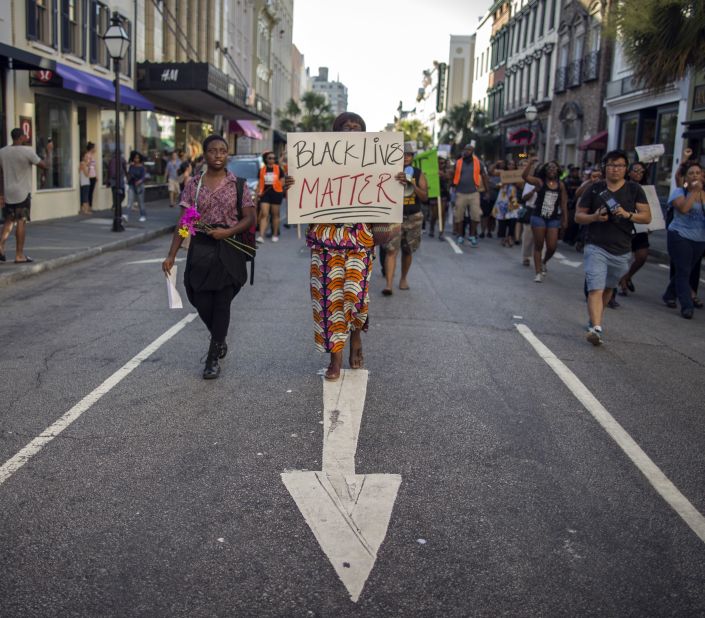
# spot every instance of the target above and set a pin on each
(414, 131)
(312, 114)
(662, 39)
(463, 123)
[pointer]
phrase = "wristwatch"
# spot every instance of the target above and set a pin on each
(631, 214)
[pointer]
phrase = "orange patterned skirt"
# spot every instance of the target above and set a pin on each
(340, 281)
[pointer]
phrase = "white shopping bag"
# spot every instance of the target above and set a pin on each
(172, 292)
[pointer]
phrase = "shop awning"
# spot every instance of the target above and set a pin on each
(246, 128)
(698, 133)
(596, 142)
(94, 86)
(14, 58)
(197, 90)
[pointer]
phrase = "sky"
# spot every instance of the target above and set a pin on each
(379, 48)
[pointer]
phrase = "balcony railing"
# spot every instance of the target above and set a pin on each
(619, 87)
(561, 79)
(591, 66)
(574, 71)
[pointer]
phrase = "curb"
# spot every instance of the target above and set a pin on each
(79, 256)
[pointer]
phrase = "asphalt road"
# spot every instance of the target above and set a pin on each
(165, 498)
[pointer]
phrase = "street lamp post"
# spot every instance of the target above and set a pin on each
(117, 43)
(530, 114)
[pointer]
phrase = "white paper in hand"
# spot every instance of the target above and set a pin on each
(172, 292)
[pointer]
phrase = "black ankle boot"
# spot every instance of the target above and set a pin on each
(212, 368)
(223, 350)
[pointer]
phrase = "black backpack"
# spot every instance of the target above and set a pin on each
(246, 238)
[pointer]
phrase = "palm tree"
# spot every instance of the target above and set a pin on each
(313, 114)
(662, 39)
(454, 126)
(463, 123)
(414, 131)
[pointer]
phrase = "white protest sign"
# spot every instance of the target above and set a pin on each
(657, 221)
(650, 153)
(171, 291)
(345, 177)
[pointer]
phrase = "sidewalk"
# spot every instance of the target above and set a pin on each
(58, 242)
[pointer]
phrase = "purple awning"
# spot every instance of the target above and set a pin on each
(94, 86)
(246, 128)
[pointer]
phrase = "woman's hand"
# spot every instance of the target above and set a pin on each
(288, 182)
(220, 233)
(167, 264)
(401, 177)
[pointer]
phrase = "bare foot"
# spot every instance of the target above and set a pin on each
(356, 358)
(336, 362)
(403, 285)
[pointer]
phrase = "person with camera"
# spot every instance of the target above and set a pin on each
(609, 208)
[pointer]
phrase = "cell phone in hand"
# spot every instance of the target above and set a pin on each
(608, 198)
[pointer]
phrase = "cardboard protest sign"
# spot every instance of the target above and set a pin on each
(657, 220)
(510, 177)
(427, 162)
(650, 153)
(345, 177)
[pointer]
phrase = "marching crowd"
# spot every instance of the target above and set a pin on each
(602, 211)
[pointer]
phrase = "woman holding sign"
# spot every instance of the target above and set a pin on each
(341, 267)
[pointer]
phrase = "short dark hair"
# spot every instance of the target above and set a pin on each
(344, 117)
(213, 137)
(613, 155)
(15, 134)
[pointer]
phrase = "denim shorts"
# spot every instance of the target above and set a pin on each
(542, 222)
(603, 270)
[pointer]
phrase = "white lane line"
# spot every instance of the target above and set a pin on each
(452, 243)
(666, 266)
(660, 482)
(702, 281)
(13, 464)
(564, 260)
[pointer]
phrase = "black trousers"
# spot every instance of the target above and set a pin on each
(504, 226)
(214, 309)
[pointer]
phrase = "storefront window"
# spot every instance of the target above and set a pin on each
(667, 127)
(628, 136)
(53, 125)
(155, 141)
(190, 135)
(107, 137)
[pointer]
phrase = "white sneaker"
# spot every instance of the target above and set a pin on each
(594, 335)
(538, 278)
(275, 238)
(543, 268)
(143, 219)
(259, 239)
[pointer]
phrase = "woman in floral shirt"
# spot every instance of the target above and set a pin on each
(215, 271)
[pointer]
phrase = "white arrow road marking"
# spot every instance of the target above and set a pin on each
(660, 482)
(348, 513)
(153, 261)
(453, 244)
(20, 459)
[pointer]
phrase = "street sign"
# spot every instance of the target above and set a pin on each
(348, 513)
